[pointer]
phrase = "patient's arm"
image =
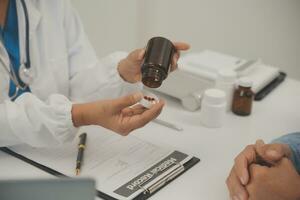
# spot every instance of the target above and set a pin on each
(293, 141)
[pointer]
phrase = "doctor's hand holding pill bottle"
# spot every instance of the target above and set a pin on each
(130, 67)
(122, 115)
(52, 82)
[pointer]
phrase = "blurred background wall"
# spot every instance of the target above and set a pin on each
(266, 29)
(110, 24)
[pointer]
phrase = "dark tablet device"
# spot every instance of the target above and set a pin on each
(270, 87)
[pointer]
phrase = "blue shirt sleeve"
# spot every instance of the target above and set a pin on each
(293, 140)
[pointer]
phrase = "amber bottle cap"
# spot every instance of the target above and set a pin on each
(245, 82)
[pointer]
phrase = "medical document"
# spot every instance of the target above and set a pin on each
(122, 166)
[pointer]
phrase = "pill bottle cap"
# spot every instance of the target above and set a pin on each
(245, 82)
(148, 100)
(214, 96)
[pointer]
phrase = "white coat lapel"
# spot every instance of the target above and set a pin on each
(34, 18)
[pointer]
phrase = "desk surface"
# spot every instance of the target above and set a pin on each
(277, 114)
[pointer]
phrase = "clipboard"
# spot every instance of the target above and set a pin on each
(147, 192)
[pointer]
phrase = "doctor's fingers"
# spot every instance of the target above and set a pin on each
(126, 101)
(136, 55)
(181, 46)
(133, 110)
(236, 190)
(175, 59)
(148, 115)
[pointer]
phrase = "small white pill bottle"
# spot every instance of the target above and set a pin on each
(213, 108)
(226, 81)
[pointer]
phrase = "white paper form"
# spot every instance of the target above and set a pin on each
(110, 159)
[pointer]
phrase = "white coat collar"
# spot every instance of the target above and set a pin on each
(34, 17)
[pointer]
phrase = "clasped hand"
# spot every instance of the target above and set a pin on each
(264, 172)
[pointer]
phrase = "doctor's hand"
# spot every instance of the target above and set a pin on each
(258, 153)
(130, 67)
(280, 182)
(119, 115)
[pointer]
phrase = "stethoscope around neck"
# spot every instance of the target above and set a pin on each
(25, 72)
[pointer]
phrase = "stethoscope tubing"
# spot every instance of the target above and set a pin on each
(27, 64)
(28, 61)
(13, 77)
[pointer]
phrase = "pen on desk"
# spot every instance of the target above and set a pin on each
(81, 147)
(167, 124)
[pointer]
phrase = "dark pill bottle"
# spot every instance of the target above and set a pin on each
(157, 61)
(243, 98)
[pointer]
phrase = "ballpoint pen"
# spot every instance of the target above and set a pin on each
(81, 147)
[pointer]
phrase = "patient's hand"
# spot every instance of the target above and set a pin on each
(252, 154)
(280, 182)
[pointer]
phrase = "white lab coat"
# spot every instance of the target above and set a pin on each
(66, 70)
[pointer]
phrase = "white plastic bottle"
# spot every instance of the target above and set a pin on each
(213, 108)
(226, 81)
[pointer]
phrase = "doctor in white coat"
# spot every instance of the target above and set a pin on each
(49, 72)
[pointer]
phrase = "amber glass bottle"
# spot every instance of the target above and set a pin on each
(243, 98)
(157, 61)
